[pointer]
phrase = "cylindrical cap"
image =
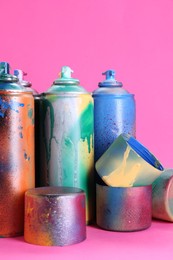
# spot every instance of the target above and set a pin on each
(162, 196)
(123, 209)
(110, 80)
(54, 216)
(128, 163)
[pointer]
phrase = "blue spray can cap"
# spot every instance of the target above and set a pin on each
(110, 80)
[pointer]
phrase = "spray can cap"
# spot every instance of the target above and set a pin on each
(110, 80)
(20, 75)
(5, 75)
(4, 68)
(65, 77)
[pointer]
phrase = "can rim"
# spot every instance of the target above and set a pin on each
(112, 94)
(65, 93)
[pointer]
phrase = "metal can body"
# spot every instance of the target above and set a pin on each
(17, 158)
(68, 142)
(113, 115)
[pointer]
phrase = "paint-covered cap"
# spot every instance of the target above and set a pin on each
(7, 80)
(65, 77)
(65, 83)
(110, 80)
(110, 85)
(123, 209)
(5, 75)
(26, 84)
(128, 163)
(55, 216)
(162, 194)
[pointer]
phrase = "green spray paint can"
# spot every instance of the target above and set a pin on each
(67, 134)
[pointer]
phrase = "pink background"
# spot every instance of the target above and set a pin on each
(133, 37)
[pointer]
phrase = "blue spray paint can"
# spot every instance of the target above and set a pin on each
(114, 113)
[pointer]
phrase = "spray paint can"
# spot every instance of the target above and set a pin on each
(114, 113)
(17, 151)
(67, 118)
(37, 112)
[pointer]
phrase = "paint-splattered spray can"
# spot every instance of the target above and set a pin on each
(67, 117)
(17, 151)
(114, 113)
(37, 112)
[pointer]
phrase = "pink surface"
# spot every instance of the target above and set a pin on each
(152, 243)
(134, 37)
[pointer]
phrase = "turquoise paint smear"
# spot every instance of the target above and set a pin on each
(86, 125)
(66, 165)
(72, 160)
(68, 146)
(47, 105)
(69, 162)
(30, 113)
(12, 105)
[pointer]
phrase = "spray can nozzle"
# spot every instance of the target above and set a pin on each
(65, 77)
(110, 80)
(66, 72)
(19, 74)
(5, 75)
(4, 68)
(110, 74)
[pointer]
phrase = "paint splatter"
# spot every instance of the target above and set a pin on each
(12, 105)
(27, 158)
(30, 113)
(21, 135)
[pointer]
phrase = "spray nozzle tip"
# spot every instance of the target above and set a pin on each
(66, 72)
(4, 68)
(110, 80)
(19, 74)
(110, 74)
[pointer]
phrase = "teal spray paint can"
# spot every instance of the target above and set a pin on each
(67, 134)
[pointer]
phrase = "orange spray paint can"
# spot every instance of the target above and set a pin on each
(16, 151)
